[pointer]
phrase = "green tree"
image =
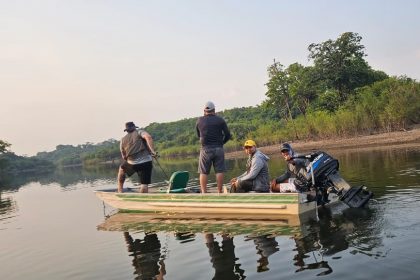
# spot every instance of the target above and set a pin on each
(302, 87)
(278, 93)
(4, 146)
(328, 100)
(340, 63)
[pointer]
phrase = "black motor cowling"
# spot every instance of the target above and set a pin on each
(323, 165)
(328, 180)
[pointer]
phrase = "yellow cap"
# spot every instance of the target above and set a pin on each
(250, 143)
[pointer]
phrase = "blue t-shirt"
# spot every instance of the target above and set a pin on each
(212, 131)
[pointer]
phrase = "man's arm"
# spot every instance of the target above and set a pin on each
(283, 177)
(149, 141)
(255, 169)
(196, 127)
(198, 131)
(226, 133)
(298, 163)
(123, 155)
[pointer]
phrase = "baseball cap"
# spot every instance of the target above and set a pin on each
(250, 143)
(209, 106)
(285, 147)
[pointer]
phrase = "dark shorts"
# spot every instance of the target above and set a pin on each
(144, 170)
(211, 156)
(244, 186)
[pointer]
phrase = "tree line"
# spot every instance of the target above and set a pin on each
(339, 95)
(12, 163)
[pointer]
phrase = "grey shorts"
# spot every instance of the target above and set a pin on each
(211, 156)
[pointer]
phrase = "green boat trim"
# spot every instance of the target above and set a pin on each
(264, 196)
(235, 201)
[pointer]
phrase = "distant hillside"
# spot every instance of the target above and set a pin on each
(11, 163)
(172, 139)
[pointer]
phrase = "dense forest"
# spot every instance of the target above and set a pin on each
(339, 95)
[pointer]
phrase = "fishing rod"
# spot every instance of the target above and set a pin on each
(160, 166)
(155, 156)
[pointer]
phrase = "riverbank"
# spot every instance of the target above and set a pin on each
(396, 139)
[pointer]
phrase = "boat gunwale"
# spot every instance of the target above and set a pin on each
(235, 198)
(222, 201)
(248, 194)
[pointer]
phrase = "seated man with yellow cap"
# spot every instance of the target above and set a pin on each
(256, 178)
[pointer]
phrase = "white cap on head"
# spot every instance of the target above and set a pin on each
(209, 106)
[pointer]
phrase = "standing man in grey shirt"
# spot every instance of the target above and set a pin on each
(137, 151)
(213, 133)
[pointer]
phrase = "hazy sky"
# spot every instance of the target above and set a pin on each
(74, 71)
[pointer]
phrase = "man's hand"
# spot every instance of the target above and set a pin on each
(273, 183)
(154, 154)
(233, 182)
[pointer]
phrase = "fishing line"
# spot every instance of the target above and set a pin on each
(161, 168)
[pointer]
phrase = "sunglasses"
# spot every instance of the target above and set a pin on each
(247, 147)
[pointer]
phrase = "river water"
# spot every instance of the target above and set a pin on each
(49, 230)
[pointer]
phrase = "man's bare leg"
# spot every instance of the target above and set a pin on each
(120, 180)
(203, 183)
(144, 188)
(219, 182)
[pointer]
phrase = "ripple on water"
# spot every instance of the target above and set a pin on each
(409, 172)
(7, 211)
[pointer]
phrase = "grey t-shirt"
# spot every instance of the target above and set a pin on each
(134, 146)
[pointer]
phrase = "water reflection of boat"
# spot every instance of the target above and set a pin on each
(266, 245)
(223, 258)
(149, 256)
(146, 254)
(260, 229)
(316, 242)
(198, 223)
(331, 235)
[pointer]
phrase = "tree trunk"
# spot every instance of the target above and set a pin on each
(291, 118)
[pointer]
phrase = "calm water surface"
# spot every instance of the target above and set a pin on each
(48, 230)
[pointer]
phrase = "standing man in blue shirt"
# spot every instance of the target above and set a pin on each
(213, 133)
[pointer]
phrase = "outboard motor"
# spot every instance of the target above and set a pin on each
(323, 172)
